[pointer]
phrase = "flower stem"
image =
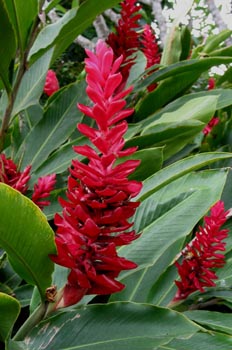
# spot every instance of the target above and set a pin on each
(31, 322)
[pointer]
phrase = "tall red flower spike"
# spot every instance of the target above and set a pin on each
(201, 256)
(150, 49)
(95, 215)
(51, 83)
(125, 41)
(10, 175)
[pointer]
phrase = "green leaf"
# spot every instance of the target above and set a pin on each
(124, 326)
(175, 69)
(32, 84)
(58, 123)
(151, 161)
(22, 18)
(214, 41)
(217, 321)
(172, 48)
(173, 136)
(223, 96)
(176, 79)
(27, 238)
(62, 33)
(10, 309)
(199, 108)
(8, 45)
(178, 169)
(200, 341)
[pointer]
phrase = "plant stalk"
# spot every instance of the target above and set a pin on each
(31, 322)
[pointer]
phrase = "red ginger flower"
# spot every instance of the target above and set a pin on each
(150, 50)
(95, 215)
(125, 41)
(201, 255)
(10, 175)
(51, 83)
(150, 46)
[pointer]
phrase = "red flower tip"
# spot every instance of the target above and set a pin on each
(125, 41)
(209, 127)
(43, 189)
(10, 175)
(150, 49)
(211, 83)
(51, 83)
(95, 218)
(201, 257)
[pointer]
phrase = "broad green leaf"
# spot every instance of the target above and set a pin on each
(60, 160)
(124, 326)
(175, 69)
(62, 33)
(32, 84)
(151, 161)
(23, 294)
(217, 321)
(10, 309)
(178, 169)
(172, 136)
(165, 219)
(200, 341)
(8, 45)
(22, 18)
(58, 123)
(26, 237)
(224, 99)
(176, 79)
(200, 108)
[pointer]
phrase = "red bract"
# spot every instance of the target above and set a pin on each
(125, 41)
(51, 83)
(10, 175)
(211, 83)
(208, 128)
(150, 49)
(201, 256)
(98, 205)
(43, 189)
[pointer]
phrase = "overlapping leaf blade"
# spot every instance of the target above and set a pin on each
(124, 326)
(10, 309)
(27, 238)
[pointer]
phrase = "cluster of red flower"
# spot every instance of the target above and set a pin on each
(10, 175)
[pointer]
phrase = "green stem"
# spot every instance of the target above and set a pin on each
(31, 322)
(21, 71)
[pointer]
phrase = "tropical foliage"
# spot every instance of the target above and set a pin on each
(115, 189)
